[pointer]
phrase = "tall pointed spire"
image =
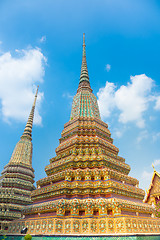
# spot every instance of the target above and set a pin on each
(16, 182)
(84, 102)
(28, 129)
(84, 71)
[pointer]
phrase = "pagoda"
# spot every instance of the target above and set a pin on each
(16, 182)
(87, 190)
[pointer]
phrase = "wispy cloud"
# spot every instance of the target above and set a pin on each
(157, 104)
(147, 175)
(117, 133)
(42, 39)
(142, 135)
(67, 95)
(156, 136)
(156, 162)
(152, 118)
(19, 76)
(131, 100)
(145, 179)
(108, 67)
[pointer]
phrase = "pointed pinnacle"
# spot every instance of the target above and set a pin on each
(28, 129)
(35, 98)
(84, 45)
(153, 167)
(84, 71)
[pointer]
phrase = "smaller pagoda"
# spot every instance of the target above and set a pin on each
(16, 182)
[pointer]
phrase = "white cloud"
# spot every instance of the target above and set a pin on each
(42, 39)
(157, 104)
(106, 100)
(18, 76)
(108, 67)
(132, 100)
(156, 162)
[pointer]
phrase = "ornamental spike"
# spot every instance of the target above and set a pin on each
(153, 167)
(84, 45)
(84, 71)
(28, 129)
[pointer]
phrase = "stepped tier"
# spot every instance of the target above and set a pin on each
(86, 161)
(89, 207)
(93, 174)
(17, 172)
(86, 144)
(82, 189)
(16, 184)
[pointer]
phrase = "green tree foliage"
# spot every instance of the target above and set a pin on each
(28, 237)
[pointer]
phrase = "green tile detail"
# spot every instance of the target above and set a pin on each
(84, 105)
(85, 238)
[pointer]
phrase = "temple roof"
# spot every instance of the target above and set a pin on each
(155, 173)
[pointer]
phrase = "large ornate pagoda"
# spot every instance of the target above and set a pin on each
(87, 190)
(16, 182)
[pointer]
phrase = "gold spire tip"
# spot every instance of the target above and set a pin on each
(35, 97)
(37, 91)
(28, 129)
(153, 167)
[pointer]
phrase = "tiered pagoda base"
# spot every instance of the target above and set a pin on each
(120, 225)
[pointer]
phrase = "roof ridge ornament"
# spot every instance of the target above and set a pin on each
(153, 167)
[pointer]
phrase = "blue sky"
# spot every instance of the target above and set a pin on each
(41, 43)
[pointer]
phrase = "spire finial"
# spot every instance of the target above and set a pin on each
(84, 71)
(28, 129)
(153, 167)
(83, 38)
(84, 45)
(35, 98)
